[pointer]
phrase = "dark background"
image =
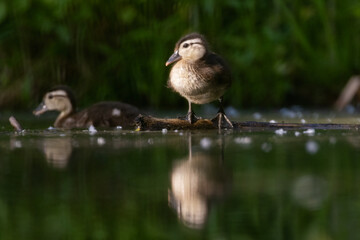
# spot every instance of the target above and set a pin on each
(281, 52)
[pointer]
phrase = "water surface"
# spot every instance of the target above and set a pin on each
(123, 184)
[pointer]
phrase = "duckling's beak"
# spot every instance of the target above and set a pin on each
(40, 109)
(173, 58)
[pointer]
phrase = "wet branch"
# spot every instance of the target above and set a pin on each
(149, 123)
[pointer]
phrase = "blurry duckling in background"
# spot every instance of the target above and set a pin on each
(199, 75)
(102, 114)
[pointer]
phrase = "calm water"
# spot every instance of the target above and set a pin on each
(120, 184)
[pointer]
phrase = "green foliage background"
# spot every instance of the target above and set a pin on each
(281, 52)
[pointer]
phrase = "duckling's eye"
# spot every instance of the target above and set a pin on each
(50, 96)
(185, 45)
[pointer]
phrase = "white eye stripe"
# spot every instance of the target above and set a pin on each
(59, 93)
(193, 41)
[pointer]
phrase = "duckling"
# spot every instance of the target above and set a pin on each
(102, 114)
(199, 75)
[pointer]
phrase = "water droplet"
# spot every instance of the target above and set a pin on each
(312, 147)
(205, 143)
(266, 147)
(257, 116)
(101, 141)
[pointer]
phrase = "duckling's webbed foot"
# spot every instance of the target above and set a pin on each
(190, 117)
(222, 121)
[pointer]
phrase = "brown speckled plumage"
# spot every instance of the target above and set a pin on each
(102, 114)
(198, 75)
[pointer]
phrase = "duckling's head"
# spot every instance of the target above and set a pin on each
(190, 48)
(59, 98)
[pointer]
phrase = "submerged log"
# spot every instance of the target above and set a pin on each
(149, 123)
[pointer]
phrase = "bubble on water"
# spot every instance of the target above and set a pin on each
(92, 130)
(205, 143)
(16, 144)
(285, 112)
(118, 127)
(312, 147)
(266, 147)
(51, 128)
(316, 116)
(350, 109)
(280, 132)
(332, 140)
(297, 134)
(309, 132)
(243, 140)
(303, 121)
(257, 116)
(310, 191)
(272, 121)
(101, 141)
(164, 131)
(232, 112)
(176, 130)
(181, 133)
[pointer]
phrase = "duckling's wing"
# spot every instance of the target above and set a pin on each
(112, 114)
(216, 69)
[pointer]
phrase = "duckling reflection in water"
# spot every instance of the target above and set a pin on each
(199, 75)
(103, 114)
(57, 151)
(195, 182)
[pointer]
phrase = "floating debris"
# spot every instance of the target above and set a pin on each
(164, 131)
(205, 143)
(150, 141)
(118, 127)
(266, 147)
(92, 130)
(312, 147)
(310, 132)
(272, 121)
(15, 124)
(280, 132)
(243, 140)
(101, 141)
(51, 128)
(303, 121)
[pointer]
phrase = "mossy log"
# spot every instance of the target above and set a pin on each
(149, 123)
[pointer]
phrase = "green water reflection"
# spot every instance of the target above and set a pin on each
(179, 185)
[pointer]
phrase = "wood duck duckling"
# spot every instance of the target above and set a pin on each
(102, 114)
(199, 75)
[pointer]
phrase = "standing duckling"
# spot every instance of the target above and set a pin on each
(102, 114)
(199, 75)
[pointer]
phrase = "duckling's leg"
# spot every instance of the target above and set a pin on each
(190, 116)
(221, 120)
